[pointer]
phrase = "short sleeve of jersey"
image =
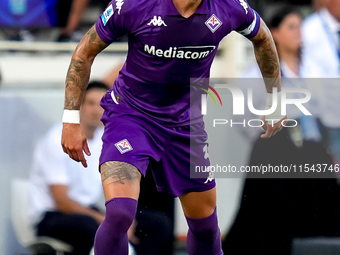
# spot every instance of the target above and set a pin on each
(115, 21)
(246, 20)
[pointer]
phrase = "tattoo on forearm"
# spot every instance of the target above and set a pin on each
(76, 79)
(119, 172)
(79, 70)
(268, 60)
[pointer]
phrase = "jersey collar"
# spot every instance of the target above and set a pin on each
(171, 9)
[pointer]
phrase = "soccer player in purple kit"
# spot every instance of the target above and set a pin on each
(147, 118)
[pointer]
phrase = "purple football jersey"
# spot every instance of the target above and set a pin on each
(166, 50)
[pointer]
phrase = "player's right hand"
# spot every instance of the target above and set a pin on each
(74, 142)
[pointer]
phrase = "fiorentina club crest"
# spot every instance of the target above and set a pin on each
(213, 23)
(123, 146)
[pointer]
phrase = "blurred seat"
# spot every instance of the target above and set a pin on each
(22, 225)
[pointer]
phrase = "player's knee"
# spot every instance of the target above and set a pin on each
(120, 213)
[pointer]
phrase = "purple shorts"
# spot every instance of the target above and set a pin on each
(133, 137)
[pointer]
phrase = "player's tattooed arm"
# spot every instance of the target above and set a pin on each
(267, 57)
(80, 67)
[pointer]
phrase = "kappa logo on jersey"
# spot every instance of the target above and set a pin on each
(119, 4)
(213, 23)
(244, 5)
(205, 150)
(157, 21)
(124, 146)
(107, 14)
(210, 178)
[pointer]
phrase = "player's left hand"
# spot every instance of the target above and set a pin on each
(270, 128)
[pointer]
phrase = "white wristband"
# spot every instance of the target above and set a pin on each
(71, 116)
(276, 115)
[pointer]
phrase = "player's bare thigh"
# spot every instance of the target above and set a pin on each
(199, 204)
(120, 179)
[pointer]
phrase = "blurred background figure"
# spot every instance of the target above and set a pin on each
(321, 59)
(285, 28)
(64, 194)
(275, 211)
(322, 62)
(77, 9)
(71, 20)
(317, 4)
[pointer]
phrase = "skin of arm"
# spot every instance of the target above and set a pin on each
(267, 57)
(268, 61)
(67, 205)
(73, 137)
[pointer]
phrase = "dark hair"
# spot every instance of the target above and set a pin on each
(96, 85)
(280, 12)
